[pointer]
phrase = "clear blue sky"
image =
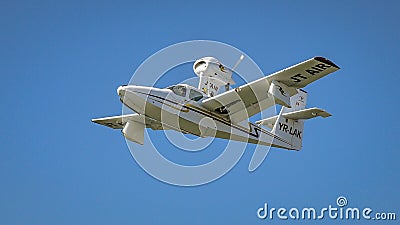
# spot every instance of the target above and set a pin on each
(62, 62)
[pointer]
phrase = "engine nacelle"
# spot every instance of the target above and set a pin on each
(211, 67)
(212, 75)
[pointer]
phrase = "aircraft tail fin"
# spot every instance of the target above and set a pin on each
(289, 124)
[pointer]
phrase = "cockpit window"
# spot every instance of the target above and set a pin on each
(195, 95)
(179, 90)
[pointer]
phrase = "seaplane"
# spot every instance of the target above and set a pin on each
(211, 111)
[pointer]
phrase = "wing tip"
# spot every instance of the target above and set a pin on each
(327, 61)
(322, 112)
(95, 120)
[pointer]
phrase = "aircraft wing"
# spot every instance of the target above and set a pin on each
(304, 73)
(118, 122)
(252, 98)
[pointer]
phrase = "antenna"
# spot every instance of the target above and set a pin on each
(238, 62)
(233, 69)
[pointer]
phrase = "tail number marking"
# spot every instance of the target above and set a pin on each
(290, 130)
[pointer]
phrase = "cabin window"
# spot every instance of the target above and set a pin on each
(179, 90)
(195, 95)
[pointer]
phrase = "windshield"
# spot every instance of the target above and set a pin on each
(178, 90)
(195, 95)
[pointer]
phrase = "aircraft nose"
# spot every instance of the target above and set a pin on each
(121, 90)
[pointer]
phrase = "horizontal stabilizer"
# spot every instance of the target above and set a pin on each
(296, 115)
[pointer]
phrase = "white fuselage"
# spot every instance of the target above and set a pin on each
(183, 113)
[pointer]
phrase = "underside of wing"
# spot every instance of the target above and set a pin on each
(118, 122)
(304, 73)
(241, 103)
(247, 100)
